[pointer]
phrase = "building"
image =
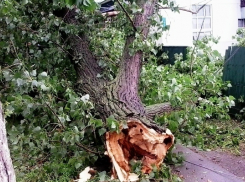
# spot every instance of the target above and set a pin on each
(217, 18)
(214, 17)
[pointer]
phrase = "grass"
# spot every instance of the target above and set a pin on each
(226, 135)
(48, 172)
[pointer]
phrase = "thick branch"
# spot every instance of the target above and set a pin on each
(157, 109)
(85, 62)
(129, 71)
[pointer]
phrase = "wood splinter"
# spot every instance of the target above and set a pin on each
(136, 142)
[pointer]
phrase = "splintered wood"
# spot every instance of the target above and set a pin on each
(137, 142)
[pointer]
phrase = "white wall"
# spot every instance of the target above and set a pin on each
(225, 22)
(243, 12)
(225, 15)
(179, 33)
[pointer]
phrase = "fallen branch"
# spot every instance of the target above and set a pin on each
(88, 150)
(63, 127)
(157, 109)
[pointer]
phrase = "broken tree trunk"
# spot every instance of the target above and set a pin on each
(7, 173)
(137, 142)
(143, 139)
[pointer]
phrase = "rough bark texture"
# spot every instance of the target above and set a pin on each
(119, 97)
(130, 67)
(157, 109)
(143, 138)
(7, 173)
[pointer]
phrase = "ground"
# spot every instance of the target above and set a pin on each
(210, 166)
(235, 164)
(222, 158)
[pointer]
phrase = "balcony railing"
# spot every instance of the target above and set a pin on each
(242, 3)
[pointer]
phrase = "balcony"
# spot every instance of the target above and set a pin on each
(242, 3)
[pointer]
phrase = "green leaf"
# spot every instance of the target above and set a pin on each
(102, 176)
(173, 125)
(43, 74)
(77, 165)
(96, 122)
(77, 138)
(2, 44)
(44, 88)
(70, 2)
(92, 5)
(56, 22)
(24, 2)
(112, 123)
(102, 131)
(38, 128)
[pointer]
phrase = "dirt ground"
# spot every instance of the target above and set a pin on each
(235, 164)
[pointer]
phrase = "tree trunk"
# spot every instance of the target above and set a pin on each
(7, 173)
(120, 98)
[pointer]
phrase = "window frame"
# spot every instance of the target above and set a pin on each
(242, 3)
(201, 15)
(242, 21)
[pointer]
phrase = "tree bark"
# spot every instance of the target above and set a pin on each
(7, 173)
(143, 138)
(118, 97)
(130, 67)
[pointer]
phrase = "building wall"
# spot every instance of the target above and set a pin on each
(243, 12)
(225, 15)
(180, 32)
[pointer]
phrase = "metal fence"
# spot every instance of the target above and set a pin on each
(234, 71)
(171, 51)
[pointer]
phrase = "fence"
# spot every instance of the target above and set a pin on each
(171, 51)
(234, 71)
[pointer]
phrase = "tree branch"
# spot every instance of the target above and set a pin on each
(126, 13)
(183, 9)
(87, 149)
(61, 124)
(130, 66)
(84, 60)
(157, 109)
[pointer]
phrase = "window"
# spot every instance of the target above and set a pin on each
(202, 21)
(242, 3)
(241, 23)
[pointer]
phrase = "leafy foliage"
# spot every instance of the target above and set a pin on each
(53, 129)
(50, 124)
(239, 37)
(197, 90)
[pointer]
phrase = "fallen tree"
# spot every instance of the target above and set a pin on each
(120, 97)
